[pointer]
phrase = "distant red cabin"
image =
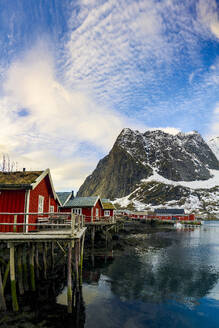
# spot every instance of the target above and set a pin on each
(90, 207)
(108, 208)
(26, 192)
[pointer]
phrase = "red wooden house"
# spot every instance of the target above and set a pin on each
(173, 214)
(26, 192)
(90, 207)
(108, 208)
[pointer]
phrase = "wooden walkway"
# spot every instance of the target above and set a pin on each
(42, 235)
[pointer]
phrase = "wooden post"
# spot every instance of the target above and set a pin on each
(77, 263)
(20, 270)
(13, 281)
(52, 254)
(6, 274)
(26, 285)
(15, 222)
(81, 259)
(69, 279)
(32, 273)
(44, 260)
(72, 223)
(92, 236)
(37, 260)
(2, 298)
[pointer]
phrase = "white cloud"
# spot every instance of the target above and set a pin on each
(208, 15)
(61, 128)
(214, 127)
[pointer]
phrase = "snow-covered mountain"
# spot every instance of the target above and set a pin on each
(155, 169)
(214, 145)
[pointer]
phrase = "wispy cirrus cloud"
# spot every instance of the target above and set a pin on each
(111, 64)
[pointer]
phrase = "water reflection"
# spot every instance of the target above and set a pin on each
(169, 280)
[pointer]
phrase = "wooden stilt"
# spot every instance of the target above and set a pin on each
(32, 273)
(76, 264)
(2, 298)
(81, 258)
(52, 255)
(13, 281)
(92, 237)
(6, 274)
(26, 285)
(106, 241)
(20, 270)
(69, 279)
(37, 260)
(44, 260)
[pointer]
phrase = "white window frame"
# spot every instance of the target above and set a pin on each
(97, 211)
(40, 204)
(52, 208)
(106, 213)
(77, 210)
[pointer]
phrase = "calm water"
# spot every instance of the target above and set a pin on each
(174, 282)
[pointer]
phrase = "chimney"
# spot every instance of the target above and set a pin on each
(24, 169)
(72, 194)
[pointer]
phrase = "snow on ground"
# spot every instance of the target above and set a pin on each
(198, 184)
(214, 145)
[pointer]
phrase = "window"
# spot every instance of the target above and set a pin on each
(51, 209)
(77, 211)
(40, 204)
(106, 213)
(97, 211)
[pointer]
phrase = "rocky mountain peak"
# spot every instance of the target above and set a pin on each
(136, 156)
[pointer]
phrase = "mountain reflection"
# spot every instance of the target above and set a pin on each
(159, 276)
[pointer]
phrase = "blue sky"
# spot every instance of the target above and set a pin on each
(74, 73)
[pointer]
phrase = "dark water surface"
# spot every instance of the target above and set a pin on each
(174, 283)
(171, 282)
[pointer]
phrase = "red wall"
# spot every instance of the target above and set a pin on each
(87, 212)
(43, 189)
(12, 201)
(98, 205)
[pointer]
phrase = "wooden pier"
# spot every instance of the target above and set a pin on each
(26, 241)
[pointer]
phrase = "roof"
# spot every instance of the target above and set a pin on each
(107, 205)
(173, 211)
(82, 202)
(64, 196)
(18, 179)
(27, 180)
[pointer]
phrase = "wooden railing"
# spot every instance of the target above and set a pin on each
(100, 219)
(39, 222)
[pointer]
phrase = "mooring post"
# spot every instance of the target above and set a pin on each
(2, 298)
(13, 281)
(69, 278)
(20, 270)
(32, 273)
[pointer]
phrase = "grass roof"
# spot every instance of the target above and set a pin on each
(19, 178)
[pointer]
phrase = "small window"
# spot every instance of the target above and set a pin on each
(77, 211)
(40, 204)
(107, 213)
(51, 209)
(97, 211)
